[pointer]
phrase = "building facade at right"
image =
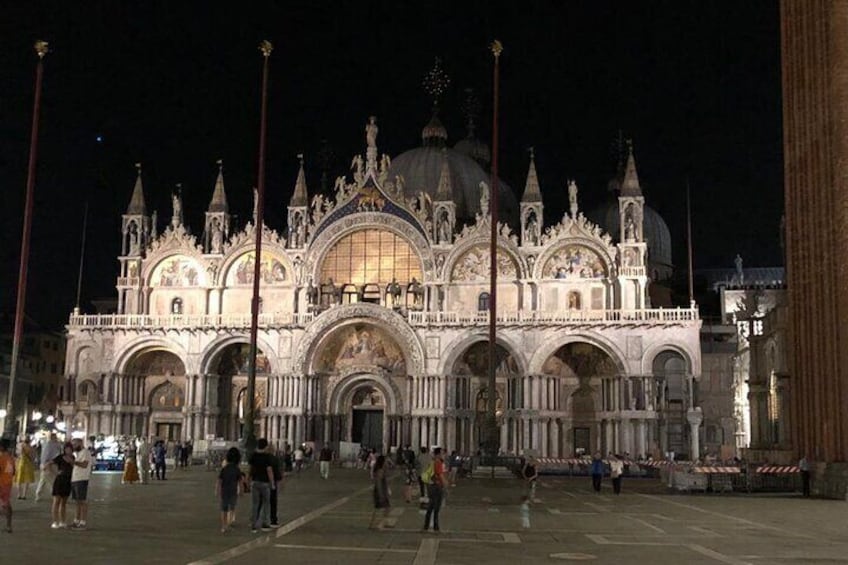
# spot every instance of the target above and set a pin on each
(814, 49)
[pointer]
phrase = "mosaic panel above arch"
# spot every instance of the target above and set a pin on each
(360, 345)
(178, 271)
(582, 360)
(574, 262)
(168, 397)
(156, 362)
(474, 265)
(272, 269)
(475, 361)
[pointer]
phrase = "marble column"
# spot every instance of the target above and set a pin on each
(694, 417)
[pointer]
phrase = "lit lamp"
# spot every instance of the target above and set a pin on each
(3, 412)
(50, 419)
(36, 416)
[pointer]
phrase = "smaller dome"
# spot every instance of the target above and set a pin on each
(475, 149)
(654, 230)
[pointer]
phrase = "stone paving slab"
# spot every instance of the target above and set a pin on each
(176, 521)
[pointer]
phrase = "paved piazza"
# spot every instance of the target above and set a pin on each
(326, 522)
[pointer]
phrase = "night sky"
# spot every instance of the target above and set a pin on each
(175, 86)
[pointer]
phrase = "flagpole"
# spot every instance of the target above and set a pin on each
(82, 257)
(492, 439)
(11, 415)
(689, 244)
(250, 398)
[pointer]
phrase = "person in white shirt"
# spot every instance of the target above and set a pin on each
(79, 482)
(616, 470)
(49, 451)
(298, 459)
(143, 457)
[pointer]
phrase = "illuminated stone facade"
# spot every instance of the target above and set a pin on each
(373, 326)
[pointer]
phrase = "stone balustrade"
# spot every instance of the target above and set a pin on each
(648, 316)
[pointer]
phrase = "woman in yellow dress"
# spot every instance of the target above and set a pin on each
(25, 471)
(130, 475)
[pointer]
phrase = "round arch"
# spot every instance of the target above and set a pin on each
(269, 249)
(143, 344)
(328, 237)
(463, 247)
(551, 346)
(652, 352)
(340, 396)
(592, 247)
(384, 318)
(212, 351)
(459, 346)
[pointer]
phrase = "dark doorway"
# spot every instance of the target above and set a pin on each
(169, 432)
(368, 428)
(582, 445)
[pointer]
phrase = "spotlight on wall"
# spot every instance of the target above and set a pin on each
(36, 416)
(50, 419)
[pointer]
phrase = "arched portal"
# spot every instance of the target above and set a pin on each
(230, 367)
(154, 379)
(673, 397)
(573, 380)
(471, 394)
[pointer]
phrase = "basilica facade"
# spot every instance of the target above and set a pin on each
(373, 320)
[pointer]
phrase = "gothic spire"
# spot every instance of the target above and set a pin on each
(137, 206)
(531, 187)
(300, 196)
(219, 195)
(445, 191)
(630, 184)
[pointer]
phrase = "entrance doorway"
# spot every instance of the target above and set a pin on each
(368, 428)
(169, 432)
(368, 407)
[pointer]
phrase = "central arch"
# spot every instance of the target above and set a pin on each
(365, 406)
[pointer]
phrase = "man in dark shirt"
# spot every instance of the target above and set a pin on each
(276, 465)
(262, 482)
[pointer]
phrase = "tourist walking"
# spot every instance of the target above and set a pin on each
(616, 471)
(298, 459)
(143, 457)
(454, 462)
(7, 475)
(25, 472)
(324, 458)
(530, 475)
(160, 452)
(597, 471)
(262, 481)
(434, 477)
(80, 476)
(130, 475)
(277, 466)
(410, 474)
(381, 492)
(804, 467)
(63, 469)
(49, 451)
(230, 478)
(424, 460)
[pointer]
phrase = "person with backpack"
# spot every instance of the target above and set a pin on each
(597, 471)
(434, 477)
(424, 460)
(530, 475)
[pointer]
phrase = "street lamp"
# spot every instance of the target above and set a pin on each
(36, 416)
(3, 412)
(50, 419)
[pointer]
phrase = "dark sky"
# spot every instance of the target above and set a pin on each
(175, 85)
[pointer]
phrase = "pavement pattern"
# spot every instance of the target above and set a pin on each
(176, 522)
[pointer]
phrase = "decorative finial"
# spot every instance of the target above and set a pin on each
(266, 47)
(470, 109)
(41, 48)
(436, 81)
(300, 158)
(220, 163)
(179, 187)
(497, 48)
(138, 168)
(532, 151)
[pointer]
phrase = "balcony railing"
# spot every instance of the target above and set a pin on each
(670, 316)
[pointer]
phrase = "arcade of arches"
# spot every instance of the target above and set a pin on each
(359, 390)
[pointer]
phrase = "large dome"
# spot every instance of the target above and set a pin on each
(422, 167)
(654, 229)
